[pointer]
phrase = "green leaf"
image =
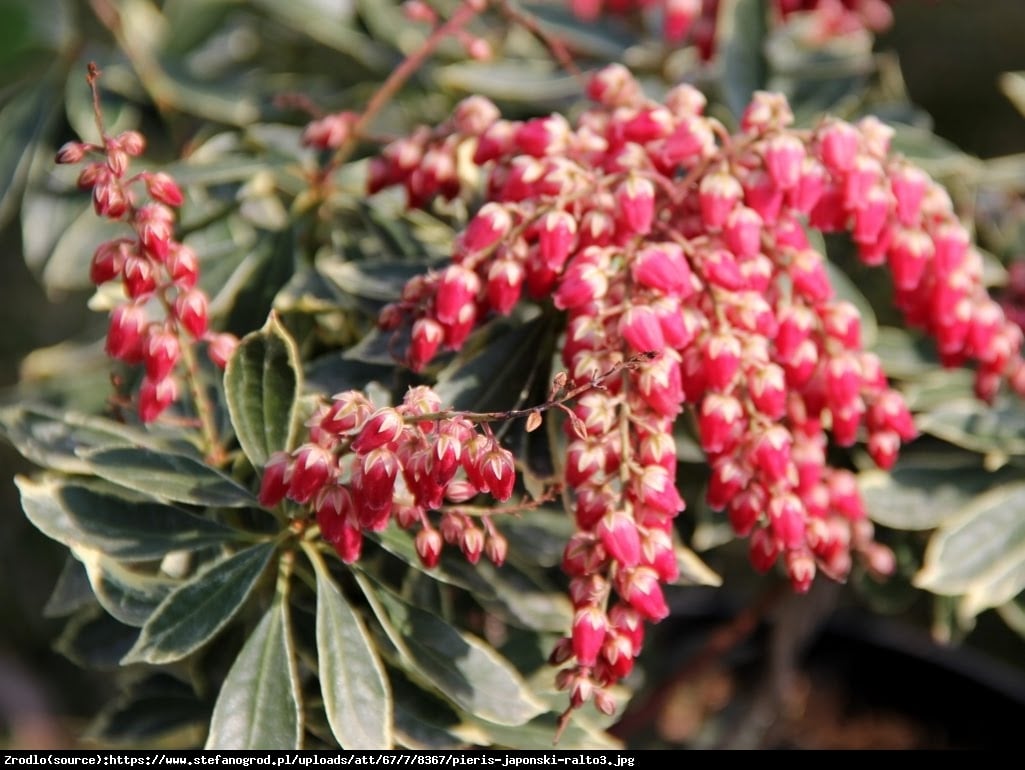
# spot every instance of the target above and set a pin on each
(494, 368)
(974, 425)
(55, 438)
(522, 601)
(846, 290)
(381, 280)
(903, 354)
(938, 156)
(129, 595)
(328, 22)
(259, 703)
(156, 711)
(173, 477)
(72, 591)
(67, 266)
(602, 38)
(357, 697)
(262, 383)
(45, 216)
(194, 21)
(981, 552)
(78, 514)
(93, 639)
(255, 283)
(744, 25)
(924, 492)
(199, 609)
(462, 668)
(510, 81)
(693, 570)
(22, 120)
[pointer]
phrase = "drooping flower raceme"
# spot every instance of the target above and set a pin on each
(164, 309)
(364, 467)
(657, 232)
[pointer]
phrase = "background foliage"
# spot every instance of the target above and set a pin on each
(458, 656)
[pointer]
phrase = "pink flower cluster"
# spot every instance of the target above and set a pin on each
(681, 258)
(164, 309)
(364, 467)
(696, 20)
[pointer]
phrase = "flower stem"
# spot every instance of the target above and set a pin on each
(463, 15)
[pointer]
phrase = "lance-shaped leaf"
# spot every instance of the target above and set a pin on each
(357, 697)
(605, 37)
(980, 552)
(509, 81)
(494, 375)
(462, 668)
(76, 513)
(924, 491)
(259, 705)
(93, 639)
(262, 385)
(200, 608)
(973, 425)
(744, 68)
(157, 710)
(174, 477)
(54, 438)
(130, 596)
(22, 119)
(72, 591)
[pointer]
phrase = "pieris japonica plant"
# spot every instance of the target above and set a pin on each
(412, 409)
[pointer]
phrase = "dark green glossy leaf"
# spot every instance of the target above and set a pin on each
(357, 697)
(257, 281)
(193, 22)
(536, 735)
(259, 706)
(328, 22)
(455, 573)
(377, 348)
(980, 551)
(128, 594)
(973, 425)
(462, 668)
(22, 120)
(67, 266)
(744, 68)
(509, 81)
(381, 281)
(902, 354)
(157, 710)
(494, 369)
(72, 591)
(602, 38)
(846, 290)
(197, 610)
(523, 601)
(55, 438)
(77, 513)
(262, 384)
(45, 217)
(333, 373)
(93, 639)
(173, 477)
(923, 145)
(924, 492)
(423, 720)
